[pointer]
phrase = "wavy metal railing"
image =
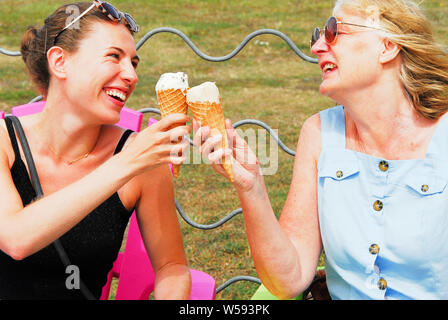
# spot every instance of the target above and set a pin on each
(10, 53)
(235, 51)
(271, 132)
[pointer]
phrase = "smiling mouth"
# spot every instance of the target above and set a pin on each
(328, 67)
(117, 95)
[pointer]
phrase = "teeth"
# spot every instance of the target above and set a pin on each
(115, 93)
(328, 67)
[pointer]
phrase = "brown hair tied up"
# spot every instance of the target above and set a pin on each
(37, 41)
(35, 59)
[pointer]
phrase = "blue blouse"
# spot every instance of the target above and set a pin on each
(384, 223)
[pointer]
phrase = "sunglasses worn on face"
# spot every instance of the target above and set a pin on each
(331, 31)
(110, 11)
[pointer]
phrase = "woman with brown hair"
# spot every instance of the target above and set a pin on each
(369, 185)
(93, 174)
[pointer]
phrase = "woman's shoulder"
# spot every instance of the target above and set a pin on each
(313, 124)
(6, 151)
(309, 139)
(326, 122)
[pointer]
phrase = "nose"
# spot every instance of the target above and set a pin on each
(128, 73)
(321, 46)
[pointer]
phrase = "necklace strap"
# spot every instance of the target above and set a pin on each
(70, 162)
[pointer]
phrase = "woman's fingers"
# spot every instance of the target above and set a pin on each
(217, 156)
(231, 132)
(208, 144)
(178, 154)
(170, 121)
(201, 135)
(211, 144)
(233, 137)
(196, 125)
(177, 134)
(169, 129)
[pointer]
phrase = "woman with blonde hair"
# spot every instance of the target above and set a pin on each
(369, 185)
(93, 174)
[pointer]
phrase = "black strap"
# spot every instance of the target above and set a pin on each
(123, 140)
(28, 156)
(12, 136)
(38, 188)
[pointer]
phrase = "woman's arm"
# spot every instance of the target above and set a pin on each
(285, 252)
(25, 230)
(160, 229)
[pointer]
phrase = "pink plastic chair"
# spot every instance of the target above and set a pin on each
(129, 119)
(136, 276)
(133, 267)
(26, 109)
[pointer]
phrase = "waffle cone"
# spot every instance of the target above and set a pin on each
(210, 114)
(172, 101)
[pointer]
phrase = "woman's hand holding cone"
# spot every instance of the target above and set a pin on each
(161, 143)
(245, 166)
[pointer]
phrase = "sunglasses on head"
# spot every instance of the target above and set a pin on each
(110, 11)
(331, 31)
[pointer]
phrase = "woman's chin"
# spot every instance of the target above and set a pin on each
(108, 116)
(325, 90)
(111, 118)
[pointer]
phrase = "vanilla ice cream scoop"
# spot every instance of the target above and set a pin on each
(205, 92)
(177, 80)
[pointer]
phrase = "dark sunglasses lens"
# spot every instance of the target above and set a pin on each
(315, 36)
(331, 30)
(113, 13)
(132, 24)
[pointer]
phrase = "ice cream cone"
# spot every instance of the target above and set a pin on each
(210, 114)
(172, 101)
(171, 92)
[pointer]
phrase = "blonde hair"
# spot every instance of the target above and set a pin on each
(424, 69)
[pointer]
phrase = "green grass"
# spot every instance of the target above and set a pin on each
(265, 81)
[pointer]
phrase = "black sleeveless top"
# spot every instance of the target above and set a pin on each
(92, 245)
